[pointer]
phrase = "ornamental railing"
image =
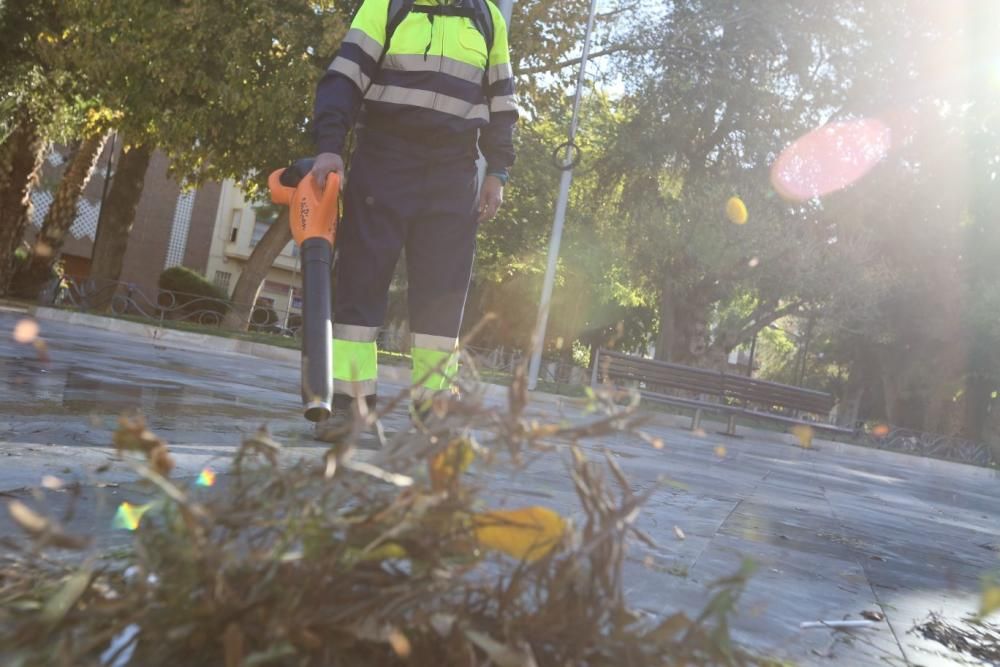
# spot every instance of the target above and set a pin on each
(933, 445)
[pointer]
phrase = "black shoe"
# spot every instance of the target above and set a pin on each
(341, 420)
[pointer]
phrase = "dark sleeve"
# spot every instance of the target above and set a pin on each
(343, 86)
(337, 103)
(496, 140)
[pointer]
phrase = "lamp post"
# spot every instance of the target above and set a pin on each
(570, 156)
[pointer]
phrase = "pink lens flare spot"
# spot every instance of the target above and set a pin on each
(830, 158)
(206, 478)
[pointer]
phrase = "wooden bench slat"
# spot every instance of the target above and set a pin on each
(734, 393)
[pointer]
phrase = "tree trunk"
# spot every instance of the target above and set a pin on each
(255, 271)
(21, 156)
(116, 221)
(668, 324)
(683, 337)
(59, 218)
(892, 392)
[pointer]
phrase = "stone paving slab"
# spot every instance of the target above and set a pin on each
(834, 530)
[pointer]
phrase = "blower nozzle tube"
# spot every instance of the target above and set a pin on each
(317, 333)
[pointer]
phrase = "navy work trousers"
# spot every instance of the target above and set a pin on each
(424, 200)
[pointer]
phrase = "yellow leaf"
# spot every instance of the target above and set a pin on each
(736, 211)
(990, 601)
(451, 462)
(526, 534)
(804, 434)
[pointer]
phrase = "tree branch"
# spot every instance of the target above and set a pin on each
(574, 61)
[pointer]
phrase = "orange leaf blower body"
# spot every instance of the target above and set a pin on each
(313, 219)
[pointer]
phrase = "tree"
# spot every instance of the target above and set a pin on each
(117, 217)
(247, 287)
(20, 159)
(722, 87)
(38, 269)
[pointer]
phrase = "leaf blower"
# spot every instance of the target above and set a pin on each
(313, 219)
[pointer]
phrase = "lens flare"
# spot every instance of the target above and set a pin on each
(880, 430)
(830, 158)
(129, 516)
(26, 331)
(206, 478)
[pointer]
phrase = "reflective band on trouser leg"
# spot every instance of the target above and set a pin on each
(435, 364)
(355, 360)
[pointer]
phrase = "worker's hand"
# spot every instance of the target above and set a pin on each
(490, 198)
(324, 165)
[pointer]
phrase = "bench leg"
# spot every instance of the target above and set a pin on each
(696, 420)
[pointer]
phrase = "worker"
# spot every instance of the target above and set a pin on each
(428, 83)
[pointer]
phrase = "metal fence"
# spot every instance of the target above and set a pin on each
(128, 299)
(931, 445)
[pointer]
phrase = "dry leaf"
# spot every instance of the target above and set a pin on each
(873, 615)
(526, 534)
(52, 483)
(450, 463)
(804, 434)
(43, 528)
(67, 596)
(990, 601)
(399, 643)
(161, 461)
(500, 654)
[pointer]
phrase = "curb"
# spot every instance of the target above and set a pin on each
(171, 337)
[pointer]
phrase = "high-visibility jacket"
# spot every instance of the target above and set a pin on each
(436, 84)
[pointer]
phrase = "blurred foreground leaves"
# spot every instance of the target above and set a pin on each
(283, 562)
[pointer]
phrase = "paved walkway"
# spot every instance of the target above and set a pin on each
(835, 529)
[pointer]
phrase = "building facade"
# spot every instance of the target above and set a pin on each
(239, 225)
(173, 226)
(211, 230)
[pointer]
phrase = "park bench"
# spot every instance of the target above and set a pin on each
(704, 390)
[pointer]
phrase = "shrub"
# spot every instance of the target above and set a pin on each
(192, 292)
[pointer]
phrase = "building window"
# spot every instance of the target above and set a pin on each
(222, 279)
(234, 224)
(264, 215)
(179, 229)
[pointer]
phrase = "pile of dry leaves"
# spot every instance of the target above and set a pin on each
(389, 559)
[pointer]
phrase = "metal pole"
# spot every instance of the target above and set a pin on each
(506, 8)
(538, 337)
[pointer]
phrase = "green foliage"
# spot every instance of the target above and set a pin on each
(192, 291)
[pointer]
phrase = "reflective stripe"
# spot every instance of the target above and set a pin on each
(439, 343)
(354, 332)
(357, 388)
(503, 103)
(368, 44)
(353, 361)
(498, 72)
(352, 71)
(433, 369)
(428, 100)
(443, 64)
